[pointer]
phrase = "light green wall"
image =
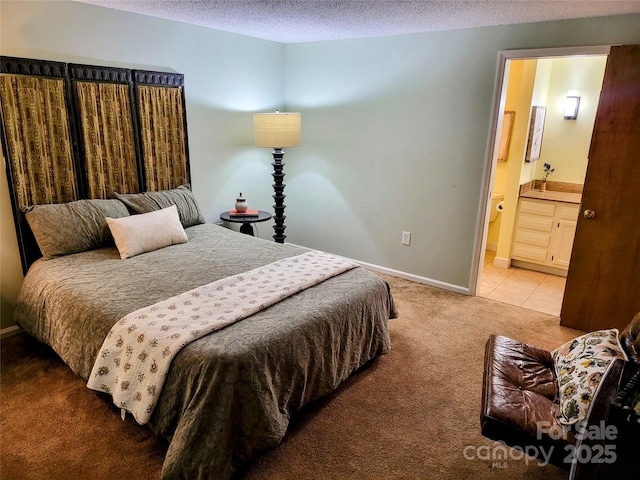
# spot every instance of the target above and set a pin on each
(227, 78)
(394, 129)
(395, 135)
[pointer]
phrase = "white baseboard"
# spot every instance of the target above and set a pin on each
(502, 262)
(415, 278)
(540, 268)
(11, 331)
(492, 246)
(407, 276)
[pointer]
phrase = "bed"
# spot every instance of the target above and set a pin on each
(229, 395)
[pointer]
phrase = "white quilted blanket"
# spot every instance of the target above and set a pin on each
(136, 354)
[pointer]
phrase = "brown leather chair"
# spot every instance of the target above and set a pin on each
(630, 339)
(520, 390)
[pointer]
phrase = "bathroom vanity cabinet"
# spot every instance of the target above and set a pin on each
(544, 234)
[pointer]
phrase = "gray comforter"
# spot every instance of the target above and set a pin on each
(229, 395)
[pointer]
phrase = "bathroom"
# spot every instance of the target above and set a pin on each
(530, 233)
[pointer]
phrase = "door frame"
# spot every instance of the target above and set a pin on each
(491, 156)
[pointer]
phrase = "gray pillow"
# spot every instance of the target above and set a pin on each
(181, 197)
(66, 228)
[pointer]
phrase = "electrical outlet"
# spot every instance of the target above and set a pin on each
(406, 238)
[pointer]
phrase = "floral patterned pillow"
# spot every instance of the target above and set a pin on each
(579, 365)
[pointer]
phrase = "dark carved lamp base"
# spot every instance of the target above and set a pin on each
(278, 196)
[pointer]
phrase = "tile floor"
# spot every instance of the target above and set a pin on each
(518, 286)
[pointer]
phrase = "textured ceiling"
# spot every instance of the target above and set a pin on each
(294, 21)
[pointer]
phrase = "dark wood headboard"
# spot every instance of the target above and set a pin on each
(72, 131)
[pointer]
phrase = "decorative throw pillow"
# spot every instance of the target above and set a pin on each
(66, 228)
(181, 197)
(147, 232)
(580, 365)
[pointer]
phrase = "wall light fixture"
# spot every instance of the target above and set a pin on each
(571, 105)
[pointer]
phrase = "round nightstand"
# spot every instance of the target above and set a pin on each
(246, 221)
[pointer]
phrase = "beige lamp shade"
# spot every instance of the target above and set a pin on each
(278, 130)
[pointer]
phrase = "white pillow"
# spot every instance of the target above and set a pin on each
(146, 232)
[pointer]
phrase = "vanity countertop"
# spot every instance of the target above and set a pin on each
(553, 195)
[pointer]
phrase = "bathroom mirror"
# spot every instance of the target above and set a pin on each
(536, 129)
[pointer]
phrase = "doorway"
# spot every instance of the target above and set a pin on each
(532, 286)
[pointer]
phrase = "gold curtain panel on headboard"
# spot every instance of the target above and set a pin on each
(107, 135)
(72, 131)
(162, 129)
(38, 139)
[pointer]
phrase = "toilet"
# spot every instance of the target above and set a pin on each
(496, 198)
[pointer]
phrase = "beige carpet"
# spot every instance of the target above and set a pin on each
(412, 414)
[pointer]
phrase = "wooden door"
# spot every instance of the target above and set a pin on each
(603, 282)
